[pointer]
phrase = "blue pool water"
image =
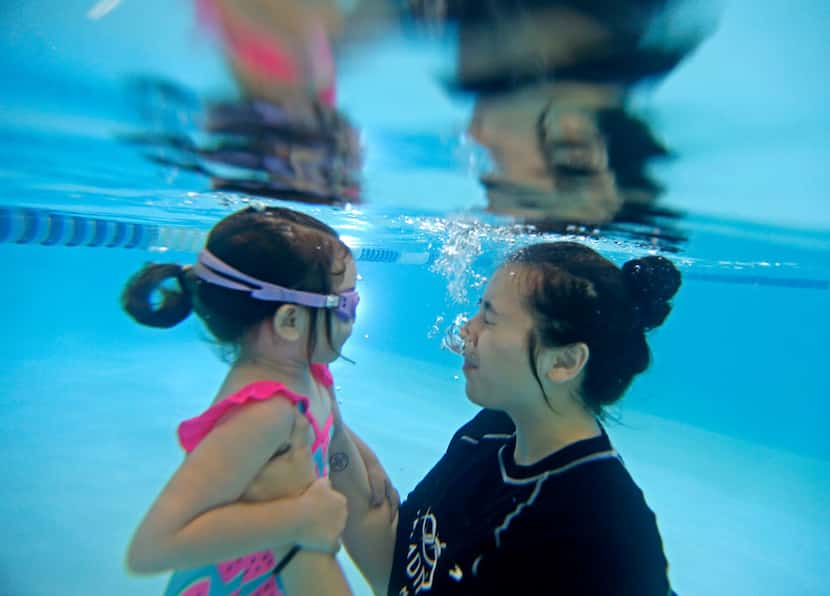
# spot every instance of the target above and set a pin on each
(725, 434)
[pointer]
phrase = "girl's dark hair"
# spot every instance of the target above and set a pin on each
(576, 295)
(277, 245)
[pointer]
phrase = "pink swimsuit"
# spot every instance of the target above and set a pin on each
(251, 575)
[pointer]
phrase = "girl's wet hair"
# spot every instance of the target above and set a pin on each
(277, 245)
(576, 295)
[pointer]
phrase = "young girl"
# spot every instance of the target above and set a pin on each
(279, 287)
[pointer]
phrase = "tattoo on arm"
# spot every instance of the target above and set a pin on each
(338, 461)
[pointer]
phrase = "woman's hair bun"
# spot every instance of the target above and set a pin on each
(652, 282)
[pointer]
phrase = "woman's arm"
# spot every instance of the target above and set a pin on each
(369, 536)
(197, 518)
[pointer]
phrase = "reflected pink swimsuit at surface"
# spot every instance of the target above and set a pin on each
(262, 53)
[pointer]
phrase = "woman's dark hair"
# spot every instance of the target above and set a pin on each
(576, 295)
(624, 55)
(632, 147)
(276, 245)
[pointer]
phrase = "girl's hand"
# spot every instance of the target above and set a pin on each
(324, 517)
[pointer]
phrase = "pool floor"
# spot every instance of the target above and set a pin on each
(88, 441)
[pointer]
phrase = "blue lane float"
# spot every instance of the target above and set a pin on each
(28, 225)
(25, 225)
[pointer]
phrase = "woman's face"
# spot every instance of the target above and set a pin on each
(506, 127)
(496, 364)
(341, 329)
(563, 175)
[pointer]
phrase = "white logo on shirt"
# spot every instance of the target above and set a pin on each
(425, 548)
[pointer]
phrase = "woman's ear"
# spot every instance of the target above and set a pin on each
(564, 363)
(290, 322)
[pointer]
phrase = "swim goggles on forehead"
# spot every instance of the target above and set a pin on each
(213, 270)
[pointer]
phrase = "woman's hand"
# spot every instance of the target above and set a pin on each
(323, 519)
(379, 484)
(291, 472)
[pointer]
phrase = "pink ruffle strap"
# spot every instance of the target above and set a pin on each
(192, 431)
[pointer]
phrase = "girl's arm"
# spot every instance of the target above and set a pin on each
(315, 573)
(370, 530)
(197, 519)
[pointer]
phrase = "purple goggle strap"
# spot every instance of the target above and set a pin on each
(213, 270)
